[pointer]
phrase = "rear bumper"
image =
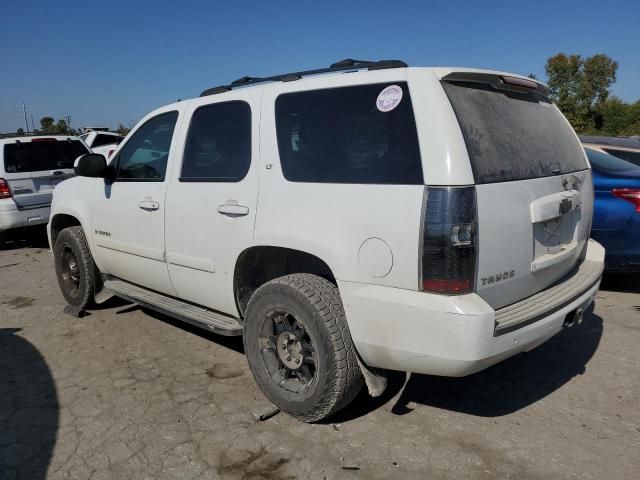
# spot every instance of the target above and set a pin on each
(12, 217)
(451, 336)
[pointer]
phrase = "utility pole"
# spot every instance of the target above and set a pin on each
(69, 123)
(26, 124)
(33, 129)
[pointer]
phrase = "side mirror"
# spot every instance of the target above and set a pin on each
(91, 165)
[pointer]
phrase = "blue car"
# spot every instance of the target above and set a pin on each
(616, 216)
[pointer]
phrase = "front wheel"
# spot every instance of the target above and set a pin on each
(299, 347)
(76, 272)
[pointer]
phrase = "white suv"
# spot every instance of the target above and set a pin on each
(30, 168)
(101, 142)
(344, 221)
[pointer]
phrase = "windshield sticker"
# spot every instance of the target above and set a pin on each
(389, 98)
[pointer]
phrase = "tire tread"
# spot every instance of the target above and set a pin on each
(347, 379)
(89, 271)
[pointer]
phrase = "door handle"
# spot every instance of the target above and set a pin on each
(148, 205)
(233, 210)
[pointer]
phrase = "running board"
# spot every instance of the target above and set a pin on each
(186, 312)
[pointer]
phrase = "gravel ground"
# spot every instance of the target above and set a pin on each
(130, 394)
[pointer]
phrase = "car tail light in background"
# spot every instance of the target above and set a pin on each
(449, 240)
(630, 194)
(5, 191)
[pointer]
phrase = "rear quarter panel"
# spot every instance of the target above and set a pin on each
(332, 221)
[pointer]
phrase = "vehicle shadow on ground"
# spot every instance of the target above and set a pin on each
(621, 282)
(513, 384)
(232, 343)
(29, 410)
(500, 390)
(34, 237)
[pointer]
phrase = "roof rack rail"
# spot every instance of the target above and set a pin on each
(343, 65)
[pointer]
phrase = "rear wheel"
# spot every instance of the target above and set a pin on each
(76, 272)
(299, 347)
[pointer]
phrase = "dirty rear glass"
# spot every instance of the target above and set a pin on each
(513, 136)
(42, 155)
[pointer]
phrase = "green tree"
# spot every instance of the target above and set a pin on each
(613, 116)
(598, 74)
(633, 120)
(47, 124)
(20, 131)
(62, 127)
(581, 86)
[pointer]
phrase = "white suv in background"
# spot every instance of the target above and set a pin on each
(344, 221)
(30, 168)
(102, 142)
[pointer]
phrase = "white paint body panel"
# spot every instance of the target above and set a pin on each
(130, 240)
(188, 249)
(440, 335)
(332, 221)
(203, 244)
(32, 191)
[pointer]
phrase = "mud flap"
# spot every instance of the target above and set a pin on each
(375, 379)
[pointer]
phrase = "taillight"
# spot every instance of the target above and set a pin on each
(449, 240)
(630, 194)
(5, 191)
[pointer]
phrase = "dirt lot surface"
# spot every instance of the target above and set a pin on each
(130, 394)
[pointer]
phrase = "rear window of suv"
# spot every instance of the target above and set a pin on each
(101, 140)
(511, 135)
(40, 155)
(340, 135)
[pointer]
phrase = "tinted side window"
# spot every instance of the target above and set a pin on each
(145, 155)
(218, 145)
(340, 135)
(633, 157)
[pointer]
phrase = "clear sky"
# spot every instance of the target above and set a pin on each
(106, 62)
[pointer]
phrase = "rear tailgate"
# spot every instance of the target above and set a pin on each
(533, 185)
(33, 167)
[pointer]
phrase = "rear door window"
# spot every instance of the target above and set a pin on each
(341, 135)
(41, 155)
(511, 135)
(218, 147)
